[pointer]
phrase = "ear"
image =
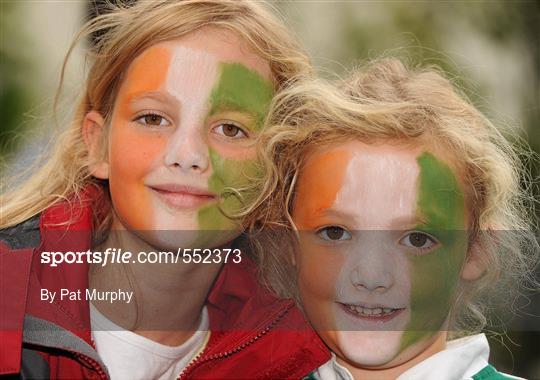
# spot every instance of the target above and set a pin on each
(93, 128)
(475, 262)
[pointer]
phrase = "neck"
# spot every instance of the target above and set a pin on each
(168, 298)
(436, 344)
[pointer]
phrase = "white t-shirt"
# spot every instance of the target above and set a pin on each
(131, 356)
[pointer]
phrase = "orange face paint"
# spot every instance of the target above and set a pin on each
(324, 172)
(320, 181)
(131, 152)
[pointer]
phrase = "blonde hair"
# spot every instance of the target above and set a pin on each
(121, 34)
(388, 101)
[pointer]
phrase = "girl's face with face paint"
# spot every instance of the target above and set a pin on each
(182, 135)
(382, 243)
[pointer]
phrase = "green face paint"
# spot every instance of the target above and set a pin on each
(244, 91)
(434, 275)
(228, 179)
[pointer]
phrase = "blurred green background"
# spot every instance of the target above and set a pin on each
(491, 49)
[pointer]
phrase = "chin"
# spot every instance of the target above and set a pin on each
(172, 240)
(369, 348)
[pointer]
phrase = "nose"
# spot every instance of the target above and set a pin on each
(373, 282)
(188, 151)
(372, 269)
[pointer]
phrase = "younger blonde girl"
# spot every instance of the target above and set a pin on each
(405, 212)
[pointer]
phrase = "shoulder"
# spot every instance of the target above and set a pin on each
(23, 235)
(490, 373)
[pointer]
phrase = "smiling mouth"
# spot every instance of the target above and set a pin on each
(375, 314)
(183, 197)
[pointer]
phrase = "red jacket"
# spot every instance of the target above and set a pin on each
(254, 335)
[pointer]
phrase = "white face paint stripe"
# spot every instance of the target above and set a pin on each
(190, 79)
(398, 179)
(378, 187)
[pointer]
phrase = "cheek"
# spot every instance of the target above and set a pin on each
(434, 281)
(319, 271)
(230, 174)
(228, 178)
(132, 156)
(234, 151)
(133, 151)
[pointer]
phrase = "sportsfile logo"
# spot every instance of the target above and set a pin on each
(119, 256)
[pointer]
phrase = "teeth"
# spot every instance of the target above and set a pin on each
(369, 312)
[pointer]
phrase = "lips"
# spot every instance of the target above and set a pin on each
(373, 313)
(183, 197)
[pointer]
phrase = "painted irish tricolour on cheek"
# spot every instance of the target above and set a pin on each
(181, 143)
(381, 248)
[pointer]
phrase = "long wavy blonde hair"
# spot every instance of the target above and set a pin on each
(121, 33)
(387, 101)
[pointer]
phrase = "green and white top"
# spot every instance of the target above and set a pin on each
(464, 359)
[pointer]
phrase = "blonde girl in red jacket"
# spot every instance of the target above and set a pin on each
(154, 160)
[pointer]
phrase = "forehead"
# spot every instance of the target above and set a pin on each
(225, 46)
(380, 185)
(209, 45)
(355, 159)
(380, 181)
(355, 172)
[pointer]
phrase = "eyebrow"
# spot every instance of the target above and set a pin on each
(411, 220)
(398, 223)
(230, 105)
(159, 96)
(335, 213)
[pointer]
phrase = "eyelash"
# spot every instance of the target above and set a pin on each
(434, 242)
(345, 235)
(240, 128)
(323, 233)
(152, 113)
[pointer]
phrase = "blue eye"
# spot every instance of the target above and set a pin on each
(334, 233)
(152, 119)
(230, 130)
(418, 240)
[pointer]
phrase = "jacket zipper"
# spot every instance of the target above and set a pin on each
(95, 365)
(85, 359)
(199, 360)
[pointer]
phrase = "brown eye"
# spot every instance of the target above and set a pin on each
(153, 119)
(334, 233)
(230, 130)
(418, 240)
